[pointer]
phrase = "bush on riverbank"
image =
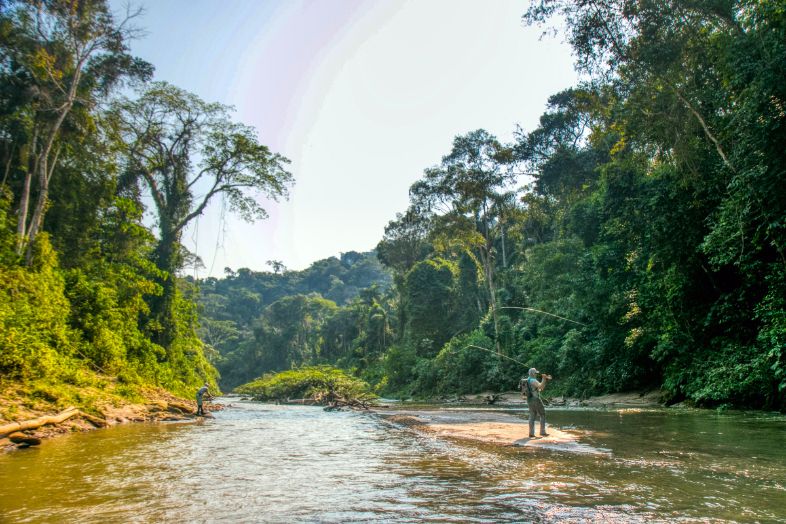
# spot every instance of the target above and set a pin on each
(320, 383)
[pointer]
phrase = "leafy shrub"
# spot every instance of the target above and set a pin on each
(34, 334)
(307, 382)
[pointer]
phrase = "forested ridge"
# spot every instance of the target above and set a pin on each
(633, 240)
(254, 321)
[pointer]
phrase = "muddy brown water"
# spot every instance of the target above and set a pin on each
(263, 463)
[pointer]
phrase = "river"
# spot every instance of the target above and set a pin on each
(264, 463)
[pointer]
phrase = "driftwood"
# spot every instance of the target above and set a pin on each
(491, 399)
(336, 402)
(38, 422)
(15, 427)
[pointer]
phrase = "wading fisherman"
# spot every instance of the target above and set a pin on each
(201, 393)
(532, 388)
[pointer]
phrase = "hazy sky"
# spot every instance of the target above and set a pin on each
(360, 95)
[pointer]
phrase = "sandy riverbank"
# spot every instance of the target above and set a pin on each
(465, 423)
(485, 426)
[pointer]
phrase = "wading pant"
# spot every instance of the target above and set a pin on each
(536, 409)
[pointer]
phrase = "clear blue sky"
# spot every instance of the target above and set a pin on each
(360, 95)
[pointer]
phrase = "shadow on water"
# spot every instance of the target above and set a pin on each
(257, 462)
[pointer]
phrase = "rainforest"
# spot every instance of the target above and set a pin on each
(633, 240)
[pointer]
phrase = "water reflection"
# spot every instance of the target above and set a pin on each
(262, 463)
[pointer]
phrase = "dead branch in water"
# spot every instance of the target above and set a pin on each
(334, 402)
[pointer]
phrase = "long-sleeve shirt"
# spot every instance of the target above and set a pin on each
(202, 392)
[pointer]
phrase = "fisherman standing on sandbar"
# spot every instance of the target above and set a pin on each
(201, 393)
(532, 388)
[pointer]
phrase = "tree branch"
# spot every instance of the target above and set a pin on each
(704, 126)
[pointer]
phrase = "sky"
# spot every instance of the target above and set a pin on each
(360, 95)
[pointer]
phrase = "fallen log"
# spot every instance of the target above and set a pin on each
(177, 407)
(38, 422)
(96, 421)
(339, 403)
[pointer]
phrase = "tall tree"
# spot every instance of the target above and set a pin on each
(465, 193)
(186, 152)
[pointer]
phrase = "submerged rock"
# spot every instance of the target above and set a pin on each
(24, 439)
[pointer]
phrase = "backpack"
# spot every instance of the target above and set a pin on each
(525, 387)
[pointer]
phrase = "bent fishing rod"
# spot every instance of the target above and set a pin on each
(497, 353)
(533, 310)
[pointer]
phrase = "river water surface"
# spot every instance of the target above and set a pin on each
(264, 463)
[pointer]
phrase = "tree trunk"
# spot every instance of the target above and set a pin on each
(488, 269)
(504, 254)
(24, 203)
(38, 422)
(494, 313)
(162, 307)
(24, 199)
(44, 172)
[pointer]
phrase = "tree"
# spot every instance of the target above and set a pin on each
(405, 241)
(429, 300)
(59, 58)
(465, 194)
(177, 147)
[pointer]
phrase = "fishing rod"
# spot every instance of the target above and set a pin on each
(543, 312)
(497, 353)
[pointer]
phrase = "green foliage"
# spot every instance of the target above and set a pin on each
(647, 249)
(35, 338)
(307, 382)
(400, 366)
(429, 299)
(77, 289)
(223, 155)
(461, 367)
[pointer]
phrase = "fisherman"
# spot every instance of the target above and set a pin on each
(201, 393)
(532, 388)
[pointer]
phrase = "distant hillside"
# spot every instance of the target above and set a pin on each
(247, 292)
(229, 307)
